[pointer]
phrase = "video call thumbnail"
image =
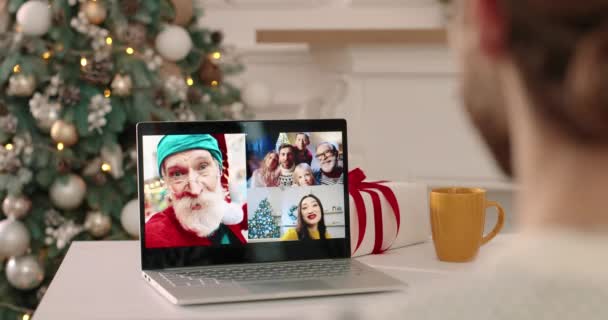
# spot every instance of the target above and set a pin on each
(219, 189)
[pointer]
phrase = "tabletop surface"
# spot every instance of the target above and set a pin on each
(102, 280)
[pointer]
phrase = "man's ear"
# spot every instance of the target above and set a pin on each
(492, 26)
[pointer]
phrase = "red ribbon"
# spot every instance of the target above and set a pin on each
(356, 185)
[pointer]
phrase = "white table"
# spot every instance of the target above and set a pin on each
(102, 280)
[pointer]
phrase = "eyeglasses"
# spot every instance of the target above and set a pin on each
(181, 176)
(324, 155)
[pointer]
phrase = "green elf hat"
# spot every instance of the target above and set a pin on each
(176, 143)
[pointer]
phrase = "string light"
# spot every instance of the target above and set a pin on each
(46, 55)
(60, 146)
(8, 146)
(26, 316)
(214, 83)
(109, 41)
(189, 81)
(107, 93)
(17, 68)
(105, 167)
(129, 50)
(216, 55)
(83, 61)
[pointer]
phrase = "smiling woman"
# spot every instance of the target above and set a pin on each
(311, 221)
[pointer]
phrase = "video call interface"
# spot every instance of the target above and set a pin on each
(227, 189)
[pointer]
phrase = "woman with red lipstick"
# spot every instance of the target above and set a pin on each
(311, 222)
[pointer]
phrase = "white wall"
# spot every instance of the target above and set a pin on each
(401, 101)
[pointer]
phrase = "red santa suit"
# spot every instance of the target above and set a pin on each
(163, 230)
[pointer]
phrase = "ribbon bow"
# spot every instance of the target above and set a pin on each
(356, 185)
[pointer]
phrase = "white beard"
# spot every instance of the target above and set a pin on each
(203, 221)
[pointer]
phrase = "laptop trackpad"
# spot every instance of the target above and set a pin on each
(269, 287)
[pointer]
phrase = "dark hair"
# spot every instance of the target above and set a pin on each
(286, 145)
(301, 229)
(561, 49)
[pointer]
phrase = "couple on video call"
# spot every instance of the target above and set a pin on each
(290, 165)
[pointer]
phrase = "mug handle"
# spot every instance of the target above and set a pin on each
(499, 224)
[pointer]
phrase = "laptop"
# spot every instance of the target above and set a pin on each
(248, 210)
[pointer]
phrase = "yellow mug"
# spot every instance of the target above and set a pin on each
(457, 221)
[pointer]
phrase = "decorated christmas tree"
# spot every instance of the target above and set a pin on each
(292, 214)
(75, 78)
(262, 224)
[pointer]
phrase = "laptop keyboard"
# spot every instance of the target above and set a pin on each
(272, 271)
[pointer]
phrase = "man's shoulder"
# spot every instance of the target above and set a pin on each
(161, 218)
(160, 229)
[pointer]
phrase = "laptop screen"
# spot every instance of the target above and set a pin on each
(242, 191)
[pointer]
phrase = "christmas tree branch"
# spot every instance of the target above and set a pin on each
(15, 308)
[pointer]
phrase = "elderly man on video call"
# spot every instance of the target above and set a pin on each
(535, 76)
(330, 172)
(191, 166)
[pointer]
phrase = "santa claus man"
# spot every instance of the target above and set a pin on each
(191, 167)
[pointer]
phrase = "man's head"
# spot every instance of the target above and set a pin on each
(286, 156)
(302, 141)
(327, 154)
(191, 168)
(555, 52)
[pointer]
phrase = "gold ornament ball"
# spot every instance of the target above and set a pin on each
(64, 132)
(95, 11)
(210, 73)
(121, 85)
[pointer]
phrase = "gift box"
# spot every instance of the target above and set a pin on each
(386, 215)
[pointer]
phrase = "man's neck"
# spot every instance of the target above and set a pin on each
(571, 192)
(562, 183)
(287, 171)
(335, 173)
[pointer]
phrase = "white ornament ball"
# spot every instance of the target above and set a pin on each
(14, 238)
(16, 207)
(256, 95)
(24, 272)
(129, 218)
(173, 43)
(34, 17)
(67, 194)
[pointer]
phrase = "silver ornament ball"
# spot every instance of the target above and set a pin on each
(98, 223)
(16, 207)
(14, 238)
(122, 85)
(24, 272)
(68, 193)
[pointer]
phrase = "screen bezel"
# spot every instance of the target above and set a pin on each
(162, 258)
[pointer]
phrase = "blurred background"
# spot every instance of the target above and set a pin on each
(384, 65)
